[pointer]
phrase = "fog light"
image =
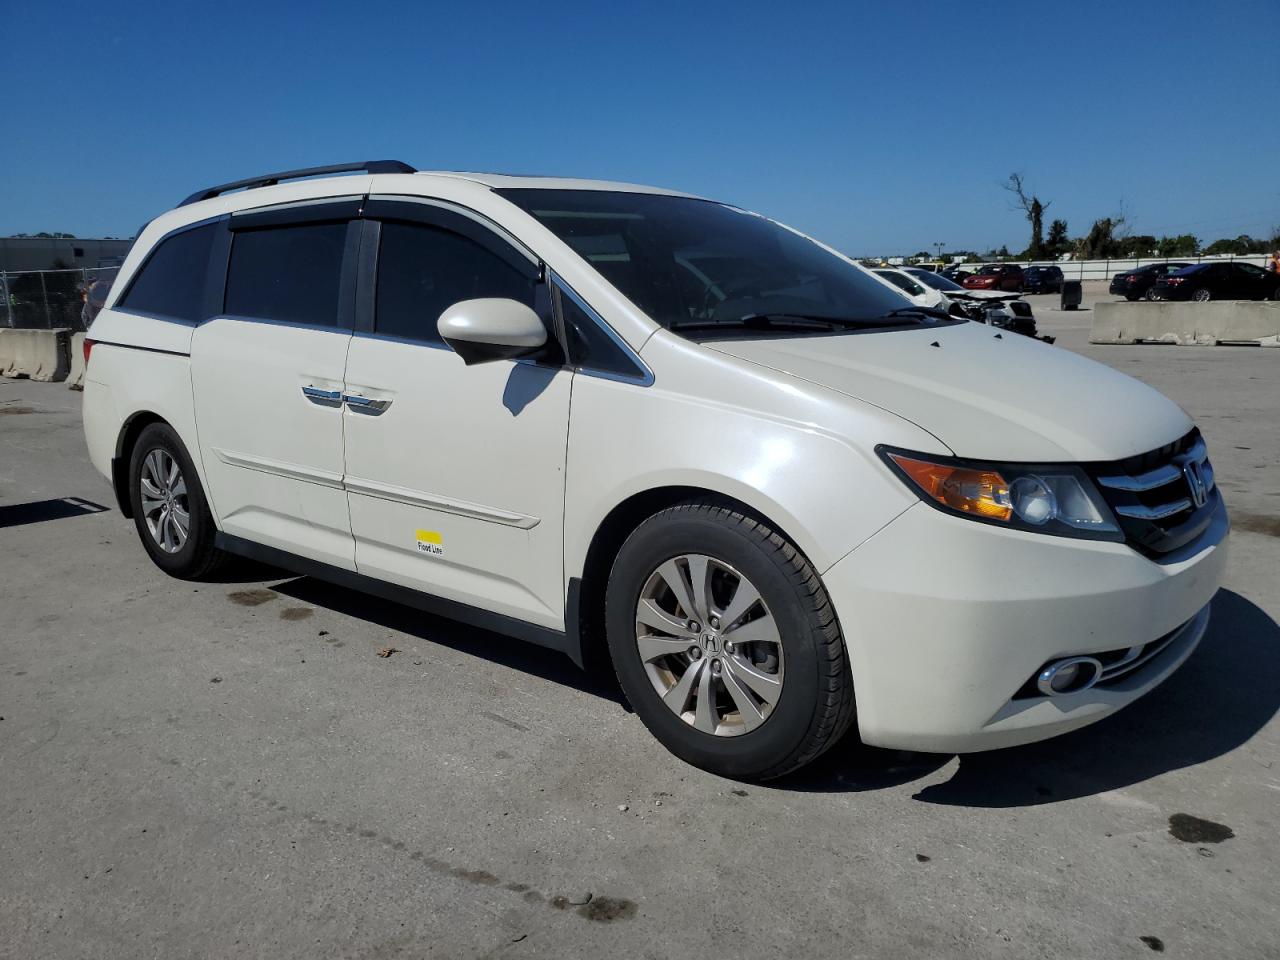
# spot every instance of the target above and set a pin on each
(1068, 676)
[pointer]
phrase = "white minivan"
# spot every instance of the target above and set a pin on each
(633, 424)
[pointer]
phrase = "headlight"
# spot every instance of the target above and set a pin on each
(1051, 498)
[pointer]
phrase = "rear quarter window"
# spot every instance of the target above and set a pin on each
(171, 283)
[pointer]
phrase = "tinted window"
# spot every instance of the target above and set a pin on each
(935, 280)
(1250, 270)
(902, 283)
(287, 273)
(424, 270)
(171, 282)
(688, 262)
(590, 346)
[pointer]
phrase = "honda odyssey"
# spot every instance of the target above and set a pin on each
(631, 423)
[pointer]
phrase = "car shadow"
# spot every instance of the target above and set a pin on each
(39, 511)
(1227, 691)
(505, 651)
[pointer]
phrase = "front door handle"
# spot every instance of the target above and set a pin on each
(361, 404)
(328, 398)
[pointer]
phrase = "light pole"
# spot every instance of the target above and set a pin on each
(938, 247)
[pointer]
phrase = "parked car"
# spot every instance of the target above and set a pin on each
(1007, 311)
(956, 273)
(996, 276)
(1219, 281)
(1141, 282)
(630, 423)
(1042, 280)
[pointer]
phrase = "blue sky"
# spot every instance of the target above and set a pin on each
(875, 129)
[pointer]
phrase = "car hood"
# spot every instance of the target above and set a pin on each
(983, 394)
(977, 294)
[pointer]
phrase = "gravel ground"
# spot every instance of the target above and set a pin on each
(231, 770)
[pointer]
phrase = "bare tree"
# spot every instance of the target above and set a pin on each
(1030, 205)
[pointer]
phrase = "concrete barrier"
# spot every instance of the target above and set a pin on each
(37, 354)
(75, 379)
(1205, 324)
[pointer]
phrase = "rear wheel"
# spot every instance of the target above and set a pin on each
(1150, 295)
(169, 506)
(725, 642)
(1202, 295)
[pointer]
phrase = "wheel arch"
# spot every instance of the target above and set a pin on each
(585, 596)
(130, 430)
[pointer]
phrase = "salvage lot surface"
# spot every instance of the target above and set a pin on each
(230, 769)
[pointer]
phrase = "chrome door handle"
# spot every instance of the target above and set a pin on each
(321, 396)
(364, 404)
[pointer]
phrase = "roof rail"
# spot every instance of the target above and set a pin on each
(270, 179)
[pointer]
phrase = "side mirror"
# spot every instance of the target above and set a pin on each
(491, 329)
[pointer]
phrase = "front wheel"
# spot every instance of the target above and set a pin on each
(1150, 295)
(169, 507)
(725, 642)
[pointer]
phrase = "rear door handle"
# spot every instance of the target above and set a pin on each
(330, 398)
(365, 404)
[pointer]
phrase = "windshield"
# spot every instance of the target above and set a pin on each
(685, 261)
(989, 269)
(937, 281)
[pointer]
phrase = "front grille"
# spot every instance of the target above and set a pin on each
(1163, 499)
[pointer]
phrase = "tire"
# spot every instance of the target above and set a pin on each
(189, 554)
(803, 704)
(1202, 295)
(1150, 295)
(1274, 294)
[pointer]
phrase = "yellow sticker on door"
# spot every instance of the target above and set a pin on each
(430, 542)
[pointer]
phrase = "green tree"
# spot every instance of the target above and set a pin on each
(1137, 245)
(1101, 242)
(1183, 245)
(1057, 243)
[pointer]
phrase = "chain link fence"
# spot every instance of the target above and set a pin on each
(47, 299)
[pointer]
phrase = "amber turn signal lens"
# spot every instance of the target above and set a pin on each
(982, 493)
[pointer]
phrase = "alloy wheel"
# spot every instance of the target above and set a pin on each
(164, 501)
(709, 645)
(1202, 296)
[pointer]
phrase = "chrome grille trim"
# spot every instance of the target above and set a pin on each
(1147, 481)
(1139, 512)
(1136, 658)
(1161, 475)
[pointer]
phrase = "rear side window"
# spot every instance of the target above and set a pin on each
(424, 270)
(290, 274)
(172, 282)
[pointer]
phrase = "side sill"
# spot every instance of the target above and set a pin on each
(439, 606)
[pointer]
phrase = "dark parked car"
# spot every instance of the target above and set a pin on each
(956, 273)
(996, 276)
(1139, 283)
(1219, 281)
(1042, 280)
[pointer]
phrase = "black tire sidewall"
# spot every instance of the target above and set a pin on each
(669, 535)
(201, 532)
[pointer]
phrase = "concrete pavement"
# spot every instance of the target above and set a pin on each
(230, 769)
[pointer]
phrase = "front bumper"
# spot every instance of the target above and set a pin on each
(946, 621)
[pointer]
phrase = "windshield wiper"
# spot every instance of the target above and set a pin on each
(762, 321)
(930, 313)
